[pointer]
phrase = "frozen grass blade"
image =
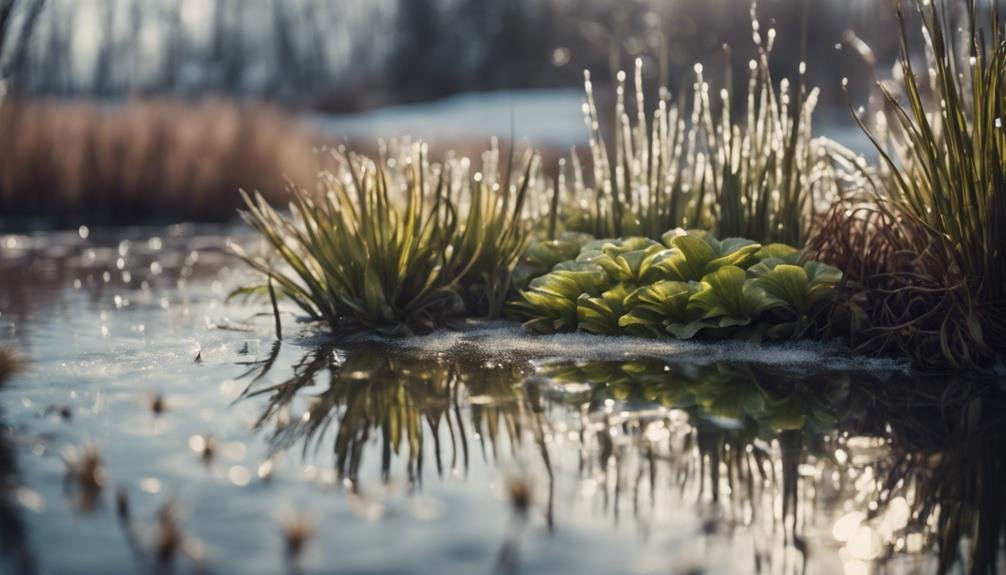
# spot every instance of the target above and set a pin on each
(762, 176)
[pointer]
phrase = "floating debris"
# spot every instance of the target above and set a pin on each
(298, 529)
(9, 365)
(170, 538)
(520, 492)
(64, 411)
(122, 510)
(204, 445)
(85, 475)
(157, 404)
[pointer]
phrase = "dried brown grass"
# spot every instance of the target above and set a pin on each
(144, 160)
(898, 298)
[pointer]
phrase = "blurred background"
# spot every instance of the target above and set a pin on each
(118, 111)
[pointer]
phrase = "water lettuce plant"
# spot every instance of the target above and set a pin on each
(692, 283)
(393, 248)
(543, 255)
(550, 302)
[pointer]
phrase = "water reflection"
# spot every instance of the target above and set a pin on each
(872, 469)
(392, 401)
(638, 465)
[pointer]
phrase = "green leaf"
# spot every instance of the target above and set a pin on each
(697, 254)
(788, 254)
(653, 307)
(727, 294)
(789, 286)
(600, 315)
(734, 252)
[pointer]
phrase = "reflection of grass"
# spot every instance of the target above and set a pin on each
(948, 463)
(755, 439)
(395, 401)
(735, 412)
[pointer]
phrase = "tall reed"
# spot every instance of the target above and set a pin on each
(761, 176)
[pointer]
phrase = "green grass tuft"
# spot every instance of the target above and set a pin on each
(929, 256)
(397, 245)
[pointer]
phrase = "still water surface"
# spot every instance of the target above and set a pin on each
(474, 450)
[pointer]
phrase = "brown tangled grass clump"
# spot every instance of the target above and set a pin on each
(924, 256)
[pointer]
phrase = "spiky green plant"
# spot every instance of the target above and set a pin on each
(502, 233)
(942, 297)
(760, 176)
(395, 248)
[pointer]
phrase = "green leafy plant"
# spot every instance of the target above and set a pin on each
(662, 308)
(699, 253)
(798, 287)
(601, 315)
(550, 302)
(543, 255)
(629, 260)
(726, 299)
(639, 287)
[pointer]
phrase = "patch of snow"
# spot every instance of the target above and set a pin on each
(505, 340)
(542, 117)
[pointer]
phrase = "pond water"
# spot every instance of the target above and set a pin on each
(473, 450)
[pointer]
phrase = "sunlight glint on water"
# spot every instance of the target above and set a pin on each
(635, 456)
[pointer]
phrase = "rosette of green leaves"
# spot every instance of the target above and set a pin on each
(550, 302)
(798, 288)
(662, 308)
(727, 298)
(601, 315)
(696, 254)
(542, 256)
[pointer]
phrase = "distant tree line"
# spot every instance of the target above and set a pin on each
(352, 54)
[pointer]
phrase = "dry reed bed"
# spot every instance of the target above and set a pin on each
(145, 159)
